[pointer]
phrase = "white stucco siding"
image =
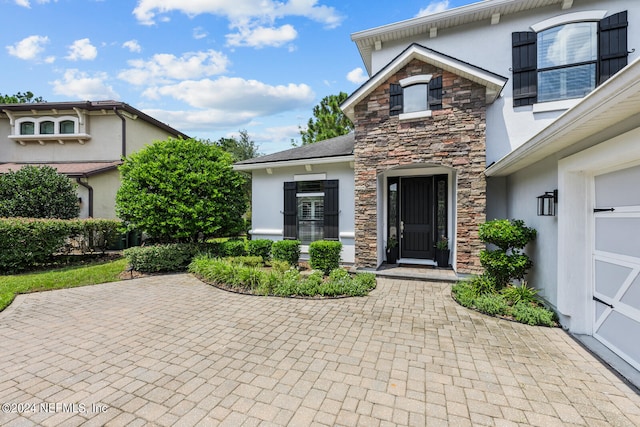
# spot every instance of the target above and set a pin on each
(268, 201)
(105, 186)
(141, 134)
(523, 188)
(507, 128)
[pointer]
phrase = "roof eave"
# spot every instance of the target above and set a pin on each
(292, 163)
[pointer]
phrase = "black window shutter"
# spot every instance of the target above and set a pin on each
(435, 94)
(331, 209)
(524, 66)
(290, 220)
(395, 99)
(612, 45)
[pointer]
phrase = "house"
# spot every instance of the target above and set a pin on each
(84, 140)
(523, 109)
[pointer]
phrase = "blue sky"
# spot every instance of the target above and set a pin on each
(209, 68)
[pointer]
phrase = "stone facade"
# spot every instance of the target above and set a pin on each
(453, 137)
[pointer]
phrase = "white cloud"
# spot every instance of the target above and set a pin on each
(434, 7)
(357, 76)
(82, 50)
(201, 120)
(132, 45)
(80, 85)
(28, 48)
(253, 20)
(199, 33)
(234, 95)
(27, 3)
(263, 36)
(165, 67)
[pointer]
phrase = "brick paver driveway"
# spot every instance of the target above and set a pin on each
(170, 350)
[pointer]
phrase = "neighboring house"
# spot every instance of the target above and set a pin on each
(486, 111)
(84, 140)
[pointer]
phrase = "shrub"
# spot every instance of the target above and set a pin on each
(464, 293)
(324, 255)
(286, 250)
(233, 248)
(483, 284)
(37, 192)
(533, 315)
(279, 266)
(522, 293)
(260, 247)
(249, 261)
(491, 304)
(507, 262)
(161, 258)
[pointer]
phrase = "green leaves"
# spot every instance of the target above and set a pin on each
(37, 192)
(328, 120)
(182, 190)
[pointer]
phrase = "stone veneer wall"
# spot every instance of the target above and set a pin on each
(453, 137)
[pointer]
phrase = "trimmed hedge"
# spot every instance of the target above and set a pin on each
(286, 250)
(161, 258)
(324, 255)
(260, 247)
(27, 242)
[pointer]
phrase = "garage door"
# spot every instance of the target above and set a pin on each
(616, 263)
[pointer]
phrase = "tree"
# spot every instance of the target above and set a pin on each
(37, 192)
(20, 98)
(329, 120)
(181, 190)
(240, 149)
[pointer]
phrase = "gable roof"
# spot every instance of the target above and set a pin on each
(338, 149)
(93, 106)
(609, 110)
(70, 169)
(486, 10)
(492, 81)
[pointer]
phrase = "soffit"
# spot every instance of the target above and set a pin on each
(480, 11)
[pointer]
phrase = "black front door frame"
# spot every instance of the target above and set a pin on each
(423, 201)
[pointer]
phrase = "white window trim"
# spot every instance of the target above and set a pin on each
(568, 18)
(563, 104)
(415, 115)
(61, 138)
(420, 78)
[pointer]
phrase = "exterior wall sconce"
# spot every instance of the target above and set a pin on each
(547, 203)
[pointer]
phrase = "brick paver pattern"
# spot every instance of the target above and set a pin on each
(170, 350)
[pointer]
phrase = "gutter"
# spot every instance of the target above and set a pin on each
(90, 189)
(124, 131)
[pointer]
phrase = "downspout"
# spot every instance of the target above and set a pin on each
(90, 189)
(124, 131)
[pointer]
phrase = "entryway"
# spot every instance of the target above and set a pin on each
(417, 215)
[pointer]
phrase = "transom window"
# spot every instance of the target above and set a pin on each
(567, 58)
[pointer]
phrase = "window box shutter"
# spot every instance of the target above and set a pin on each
(395, 99)
(524, 66)
(290, 223)
(331, 210)
(435, 94)
(612, 45)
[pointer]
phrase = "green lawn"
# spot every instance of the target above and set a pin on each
(68, 277)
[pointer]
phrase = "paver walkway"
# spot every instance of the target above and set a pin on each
(170, 350)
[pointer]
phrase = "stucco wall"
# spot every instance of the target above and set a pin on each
(489, 46)
(268, 201)
(453, 137)
(105, 186)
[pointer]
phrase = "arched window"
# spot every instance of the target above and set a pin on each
(47, 128)
(27, 128)
(67, 126)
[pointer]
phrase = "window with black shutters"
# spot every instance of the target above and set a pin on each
(311, 210)
(412, 98)
(567, 61)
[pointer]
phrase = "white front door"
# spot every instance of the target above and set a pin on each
(616, 263)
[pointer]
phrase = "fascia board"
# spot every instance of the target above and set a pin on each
(293, 163)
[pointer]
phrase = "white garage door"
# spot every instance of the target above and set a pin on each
(616, 263)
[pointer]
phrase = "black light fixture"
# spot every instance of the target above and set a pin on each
(547, 203)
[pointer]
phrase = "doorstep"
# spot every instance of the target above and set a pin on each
(413, 272)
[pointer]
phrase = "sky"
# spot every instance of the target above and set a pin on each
(208, 68)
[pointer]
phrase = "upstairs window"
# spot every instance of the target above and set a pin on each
(27, 128)
(567, 61)
(67, 127)
(47, 128)
(416, 94)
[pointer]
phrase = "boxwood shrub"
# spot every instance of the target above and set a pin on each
(260, 247)
(324, 255)
(286, 250)
(161, 258)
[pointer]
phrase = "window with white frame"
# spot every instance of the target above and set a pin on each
(415, 96)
